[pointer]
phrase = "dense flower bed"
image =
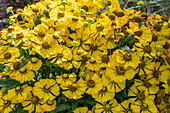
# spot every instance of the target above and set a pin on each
(84, 56)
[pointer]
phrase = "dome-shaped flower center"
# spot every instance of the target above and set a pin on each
(144, 16)
(165, 18)
(56, 36)
(7, 55)
(47, 88)
(138, 33)
(158, 100)
(41, 33)
(156, 74)
(65, 76)
(34, 60)
(59, 54)
(142, 64)
(105, 58)
(140, 96)
(18, 89)
(104, 89)
(73, 87)
(120, 13)
(46, 45)
(92, 60)
(120, 70)
(113, 24)
(19, 35)
(86, 24)
(167, 45)
(50, 102)
(99, 27)
(109, 2)
(90, 83)
(154, 37)
(107, 107)
(138, 19)
(22, 70)
(157, 27)
(93, 47)
(112, 17)
(159, 48)
(80, 52)
(147, 84)
(16, 65)
(85, 7)
(75, 18)
(10, 29)
(144, 106)
(82, 74)
(147, 49)
(128, 111)
(127, 57)
(7, 103)
(60, 14)
(35, 100)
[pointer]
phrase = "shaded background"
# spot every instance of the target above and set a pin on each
(161, 7)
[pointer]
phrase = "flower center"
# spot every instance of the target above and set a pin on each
(142, 64)
(34, 60)
(138, 33)
(7, 103)
(56, 36)
(112, 17)
(16, 65)
(7, 55)
(99, 27)
(158, 100)
(120, 13)
(167, 45)
(165, 18)
(147, 84)
(140, 96)
(92, 60)
(73, 87)
(144, 16)
(93, 47)
(156, 74)
(128, 111)
(47, 88)
(59, 55)
(127, 57)
(90, 83)
(18, 89)
(138, 19)
(34, 9)
(85, 7)
(107, 107)
(157, 27)
(105, 58)
(82, 74)
(104, 89)
(65, 76)
(120, 70)
(61, 14)
(22, 70)
(49, 102)
(20, 35)
(75, 18)
(45, 45)
(144, 106)
(147, 49)
(80, 52)
(154, 37)
(10, 29)
(35, 100)
(41, 33)
(86, 24)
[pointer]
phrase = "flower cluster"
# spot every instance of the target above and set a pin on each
(64, 51)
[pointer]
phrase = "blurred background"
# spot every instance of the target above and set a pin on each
(161, 7)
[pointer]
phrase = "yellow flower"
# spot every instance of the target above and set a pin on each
(46, 88)
(23, 75)
(141, 3)
(19, 93)
(9, 55)
(6, 104)
(93, 64)
(34, 64)
(73, 90)
(110, 107)
(49, 105)
(33, 103)
(64, 78)
(82, 110)
(167, 86)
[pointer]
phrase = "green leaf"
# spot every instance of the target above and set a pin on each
(36, 21)
(46, 14)
(61, 107)
(126, 48)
